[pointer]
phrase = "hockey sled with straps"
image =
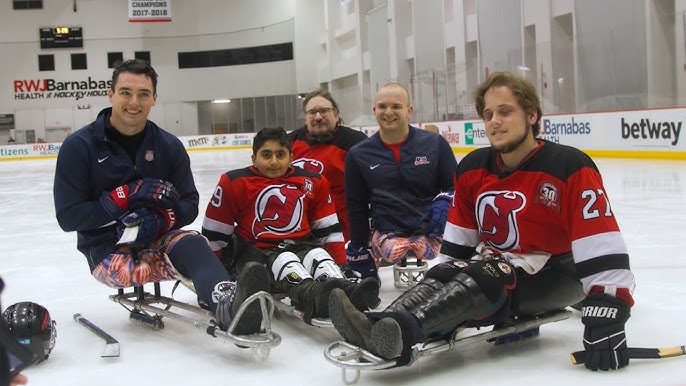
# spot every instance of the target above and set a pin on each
(150, 308)
(352, 358)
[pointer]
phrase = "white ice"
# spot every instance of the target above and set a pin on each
(40, 263)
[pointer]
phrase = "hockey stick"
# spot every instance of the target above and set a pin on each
(579, 357)
(111, 345)
(397, 199)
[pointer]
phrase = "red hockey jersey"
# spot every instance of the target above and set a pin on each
(554, 202)
(266, 211)
(328, 159)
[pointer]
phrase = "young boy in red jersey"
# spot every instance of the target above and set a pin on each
(283, 217)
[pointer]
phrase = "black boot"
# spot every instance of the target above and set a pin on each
(312, 297)
(453, 304)
(364, 295)
(231, 295)
(415, 295)
(352, 324)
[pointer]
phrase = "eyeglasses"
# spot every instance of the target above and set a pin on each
(323, 111)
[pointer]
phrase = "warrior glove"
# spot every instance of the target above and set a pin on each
(436, 214)
(604, 340)
(143, 193)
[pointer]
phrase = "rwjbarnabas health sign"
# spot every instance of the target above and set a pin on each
(30, 89)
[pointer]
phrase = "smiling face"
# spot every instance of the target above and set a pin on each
(132, 98)
(508, 125)
(272, 159)
(393, 110)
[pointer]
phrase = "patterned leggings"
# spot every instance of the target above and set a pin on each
(391, 247)
(125, 268)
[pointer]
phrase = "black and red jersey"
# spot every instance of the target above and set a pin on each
(327, 159)
(553, 202)
(265, 211)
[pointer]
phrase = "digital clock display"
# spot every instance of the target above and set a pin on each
(61, 37)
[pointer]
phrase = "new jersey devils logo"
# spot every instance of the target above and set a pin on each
(312, 165)
(496, 213)
(278, 210)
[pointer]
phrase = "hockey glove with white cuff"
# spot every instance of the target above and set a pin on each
(604, 340)
(436, 214)
(361, 261)
(143, 193)
(151, 223)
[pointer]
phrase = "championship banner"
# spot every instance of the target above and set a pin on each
(149, 11)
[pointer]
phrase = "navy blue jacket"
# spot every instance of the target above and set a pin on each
(427, 167)
(90, 165)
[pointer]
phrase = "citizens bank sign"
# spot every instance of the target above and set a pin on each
(30, 89)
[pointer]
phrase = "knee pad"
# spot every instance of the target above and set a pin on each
(320, 265)
(287, 266)
(494, 277)
(444, 272)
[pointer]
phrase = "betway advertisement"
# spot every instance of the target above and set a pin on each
(642, 130)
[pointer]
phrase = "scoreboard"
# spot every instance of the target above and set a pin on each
(61, 37)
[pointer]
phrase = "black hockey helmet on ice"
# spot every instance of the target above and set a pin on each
(31, 325)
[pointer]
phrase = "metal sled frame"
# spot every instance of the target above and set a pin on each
(350, 357)
(408, 272)
(149, 309)
(283, 305)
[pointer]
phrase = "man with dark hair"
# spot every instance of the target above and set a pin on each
(322, 145)
(122, 171)
(530, 230)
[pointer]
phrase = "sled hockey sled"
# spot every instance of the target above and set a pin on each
(408, 272)
(352, 358)
(149, 309)
(283, 305)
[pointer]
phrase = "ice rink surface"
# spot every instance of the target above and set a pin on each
(40, 263)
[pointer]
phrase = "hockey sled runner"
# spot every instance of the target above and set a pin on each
(150, 308)
(284, 306)
(352, 358)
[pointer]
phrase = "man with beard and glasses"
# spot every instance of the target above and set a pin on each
(321, 146)
(530, 230)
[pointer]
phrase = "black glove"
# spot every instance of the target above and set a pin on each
(144, 193)
(604, 340)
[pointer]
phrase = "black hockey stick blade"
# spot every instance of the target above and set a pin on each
(579, 357)
(111, 344)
